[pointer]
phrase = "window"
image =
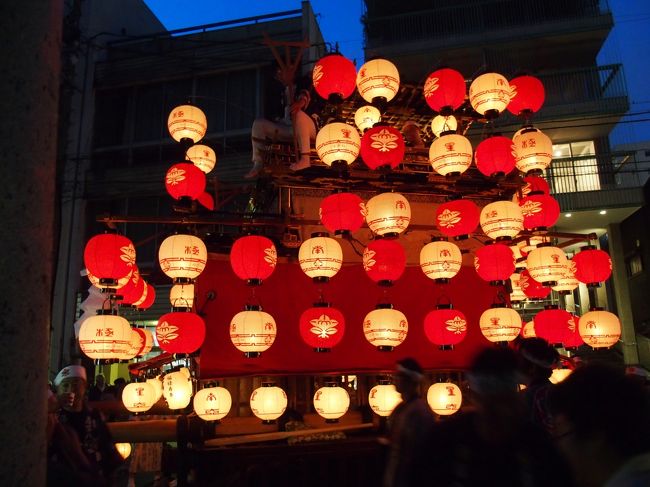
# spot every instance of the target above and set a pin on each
(574, 168)
(634, 265)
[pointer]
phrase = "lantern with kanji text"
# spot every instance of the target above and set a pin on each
(320, 257)
(331, 402)
(187, 122)
(338, 142)
(599, 328)
(253, 258)
(334, 77)
(444, 90)
(489, 94)
(502, 220)
(182, 257)
(378, 81)
(457, 218)
(177, 388)
(517, 295)
(384, 261)
(383, 398)
(180, 332)
(546, 264)
(387, 214)
(533, 150)
(444, 398)
(202, 157)
(385, 327)
(105, 336)
(212, 403)
(443, 124)
(322, 327)
(450, 154)
(252, 331)
(138, 397)
(445, 326)
(268, 402)
(500, 324)
(593, 265)
(440, 260)
(568, 281)
(526, 95)
(366, 116)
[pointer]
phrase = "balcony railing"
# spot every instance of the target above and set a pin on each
(583, 85)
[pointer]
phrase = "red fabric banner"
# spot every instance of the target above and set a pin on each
(288, 292)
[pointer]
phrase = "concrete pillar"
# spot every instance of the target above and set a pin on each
(622, 295)
(30, 36)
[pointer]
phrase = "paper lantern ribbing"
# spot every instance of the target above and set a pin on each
(365, 117)
(387, 214)
(378, 80)
(187, 122)
(341, 213)
(444, 90)
(334, 77)
(533, 150)
(202, 157)
(552, 324)
(489, 94)
(531, 288)
(331, 402)
(450, 155)
(253, 258)
(445, 326)
(212, 403)
(444, 398)
(138, 397)
(185, 180)
(502, 220)
(383, 398)
(338, 142)
(109, 258)
(384, 261)
(457, 218)
(385, 327)
(105, 336)
(441, 124)
(526, 95)
(495, 156)
(322, 327)
(182, 257)
(382, 145)
(494, 263)
(592, 265)
(599, 328)
(268, 402)
(500, 324)
(547, 264)
(182, 296)
(252, 331)
(180, 332)
(320, 257)
(440, 260)
(568, 281)
(540, 211)
(177, 389)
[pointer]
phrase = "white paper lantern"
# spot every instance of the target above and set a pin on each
(320, 257)
(253, 331)
(385, 327)
(268, 402)
(182, 295)
(547, 264)
(568, 282)
(182, 257)
(338, 142)
(331, 402)
(138, 397)
(444, 398)
(157, 386)
(450, 155)
(378, 79)
(387, 213)
(599, 328)
(177, 389)
(203, 157)
(502, 220)
(489, 94)
(440, 260)
(366, 116)
(105, 336)
(441, 124)
(187, 122)
(383, 398)
(533, 150)
(212, 403)
(500, 324)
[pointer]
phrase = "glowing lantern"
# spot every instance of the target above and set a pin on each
(444, 398)
(252, 331)
(450, 155)
(366, 116)
(517, 295)
(552, 324)
(383, 398)
(535, 184)
(177, 389)
(124, 449)
(494, 263)
(445, 326)
(533, 150)
(526, 95)
(440, 260)
(573, 339)
(495, 156)
(185, 180)
(337, 142)
(382, 145)
(568, 281)
(531, 288)
(593, 265)
(143, 296)
(599, 328)
(489, 94)
(138, 397)
(202, 157)
(182, 257)
(253, 259)
(212, 403)
(334, 77)
(340, 213)
(320, 257)
(268, 402)
(457, 218)
(105, 336)
(520, 260)
(558, 375)
(442, 124)
(180, 332)
(384, 261)
(146, 339)
(132, 291)
(528, 330)
(157, 386)
(331, 402)
(206, 200)
(540, 211)
(387, 214)
(182, 296)
(500, 324)
(134, 345)
(531, 243)
(444, 90)
(109, 258)
(378, 81)
(547, 264)
(385, 327)
(187, 122)
(322, 327)
(502, 220)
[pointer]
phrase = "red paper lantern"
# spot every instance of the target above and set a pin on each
(494, 263)
(552, 324)
(133, 290)
(322, 327)
(540, 211)
(445, 326)
(535, 184)
(185, 180)
(334, 77)
(573, 339)
(253, 258)
(531, 288)
(180, 332)
(382, 145)
(151, 297)
(341, 213)
(445, 90)
(495, 156)
(206, 200)
(457, 218)
(384, 261)
(526, 96)
(593, 265)
(109, 257)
